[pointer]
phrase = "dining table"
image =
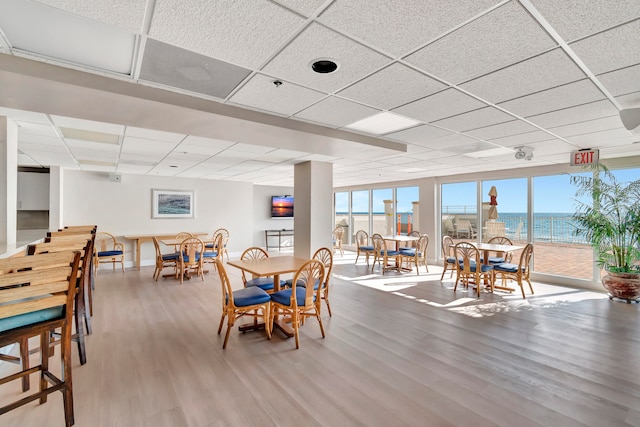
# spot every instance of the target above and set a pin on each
(487, 248)
(267, 267)
(400, 239)
(177, 242)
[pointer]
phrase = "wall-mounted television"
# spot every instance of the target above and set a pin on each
(281, 206)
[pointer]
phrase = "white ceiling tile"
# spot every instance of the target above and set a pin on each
(220, 144)
(288, 98)
(596, 138)
(391, 87)
(558, 98)
(440, 105)
(305, 7)
(621, 82)
(75, 144)
(40, 139)
(125, 14)
(27, 128)
(24, 116)
(52, 158)
(141, 145)
(444, 142)
(631, 100)
(470, 147)
(354, 60)
(475, 119)
(590, 111)
(539, 73)
(418, 134)
(89, 125)
(152, 134)
(25, 160)
(336, 112)
(53, 33)
(246, 149)
(579, 18)
(610, 50)
(461, 55)
(398, 27)
(173, 66)
(134, 169)
(523, 138)
(280, 155)
(225, 29)
(590, 126)
(28, 147)
(514, 127)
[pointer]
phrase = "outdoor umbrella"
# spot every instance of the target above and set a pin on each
(493, 210)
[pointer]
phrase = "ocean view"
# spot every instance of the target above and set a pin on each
(547, 227)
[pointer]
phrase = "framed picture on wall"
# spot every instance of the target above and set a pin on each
(173, 204)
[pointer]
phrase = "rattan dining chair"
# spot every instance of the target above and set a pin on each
(242, 302)
(387, 259)
(470, 271)
(417, 255)
(299, 302)
(448, 255)
(517, 272)
(362, 245)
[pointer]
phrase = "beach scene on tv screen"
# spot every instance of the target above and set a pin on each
(281, 207)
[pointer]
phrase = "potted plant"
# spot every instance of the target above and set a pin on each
(611, 223)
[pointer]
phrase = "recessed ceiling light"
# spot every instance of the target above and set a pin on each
(324, 66)
(382, 123)
(173, 166)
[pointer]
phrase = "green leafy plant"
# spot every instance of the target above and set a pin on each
(612, 221)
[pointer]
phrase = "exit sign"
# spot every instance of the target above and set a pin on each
(584, 157)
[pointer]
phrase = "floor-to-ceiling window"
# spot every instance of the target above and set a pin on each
(359, 212)
(406, 202)
(382, 211)
(341, 211)
(459, 209)
(504, 209)
(558, 248)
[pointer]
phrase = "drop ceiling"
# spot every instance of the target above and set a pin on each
(187, 89)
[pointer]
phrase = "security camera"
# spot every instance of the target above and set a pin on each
(524, 153)
(277, 83)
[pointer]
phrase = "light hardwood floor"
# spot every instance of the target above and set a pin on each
(400, 351)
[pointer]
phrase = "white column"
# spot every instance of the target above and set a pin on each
(8, 180)
(313, 220)
(416, 220)
(56, 214)
(388, 217)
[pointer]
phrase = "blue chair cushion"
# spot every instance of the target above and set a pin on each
(366, 248)
(169, 257)
(250, 296)
(408, 251)
(186, 257)
(496, 260)
(483, 267)
(20, 320)
(508, 267)
(390, 253)
(109, 253)
(265, 283)
(284, 297)
(209, 254)
(451, 260)
(289, 283)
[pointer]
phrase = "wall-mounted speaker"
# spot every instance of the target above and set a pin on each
(115, 177)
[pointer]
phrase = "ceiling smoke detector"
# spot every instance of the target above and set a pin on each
(523, 153)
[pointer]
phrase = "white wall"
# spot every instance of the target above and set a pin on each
(124, 208)
(262, 213)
